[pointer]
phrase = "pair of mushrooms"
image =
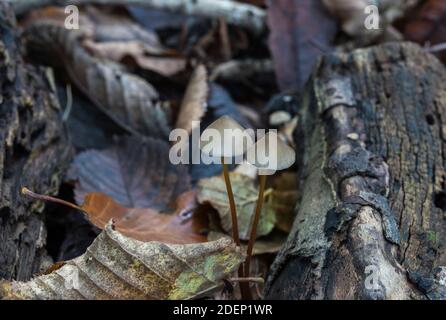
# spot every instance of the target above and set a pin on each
(226, 139)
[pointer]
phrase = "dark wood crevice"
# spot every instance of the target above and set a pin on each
(34, 152)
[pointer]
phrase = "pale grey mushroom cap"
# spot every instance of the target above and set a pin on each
(225, 138)
(271, 153)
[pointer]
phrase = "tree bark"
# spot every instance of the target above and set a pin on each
(33, 152)
(371, 222)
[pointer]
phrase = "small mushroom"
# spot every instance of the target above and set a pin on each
(268, 154)
(225, 139)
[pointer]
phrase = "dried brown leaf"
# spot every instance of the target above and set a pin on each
(427, 25)
(117, 267)
(146, 224)
(134, 172)
(284, 199)
(194, 104)
(300, 31)
(140, 53)
(128, 99)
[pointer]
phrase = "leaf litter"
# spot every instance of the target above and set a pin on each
(157, 241)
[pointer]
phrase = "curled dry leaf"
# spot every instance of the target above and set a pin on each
(146, 224)
(213, 191)
(117, 267)
(194, 104)
(135, 172)
(128, 99)
(139, 53)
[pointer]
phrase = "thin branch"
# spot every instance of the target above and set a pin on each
(436, 47)
(240, 14)
(241, 69)
(248, 279)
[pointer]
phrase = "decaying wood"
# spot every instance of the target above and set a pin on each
(240, 14)
(371, 223)
(33, 152)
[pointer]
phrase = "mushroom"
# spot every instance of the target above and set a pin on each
(268, 154)
(225, 139)
(222, 140)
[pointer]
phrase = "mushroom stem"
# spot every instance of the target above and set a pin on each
(252, 236)
(244, 286)
(235, 235)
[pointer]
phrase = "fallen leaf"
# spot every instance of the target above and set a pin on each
(284, 199)
(146, 224)
(300, 32)
(213, 191)
(427, 21)
(117, 267)
(121, 51)
(194, 104)
(127, 99)
(87, 126)
(135, 172)
(111, 26)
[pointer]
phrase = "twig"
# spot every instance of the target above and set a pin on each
(436, 47)
(29, 193)
(67, 111)
(241, 69)
(240, 14)
(248, 279)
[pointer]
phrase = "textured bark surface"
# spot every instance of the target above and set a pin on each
(33, 153)
(371, 223)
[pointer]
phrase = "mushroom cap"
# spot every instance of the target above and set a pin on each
(225, 138)
(271, 153)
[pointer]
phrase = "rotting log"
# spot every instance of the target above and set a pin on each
(371, 222)
(33, 152)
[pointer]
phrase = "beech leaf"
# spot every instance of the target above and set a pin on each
(126, 98)
(300, 32)
(146, 224)
(117, 267)
(213, 191)
(119, 51)
(135, 172)
(194, 104)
